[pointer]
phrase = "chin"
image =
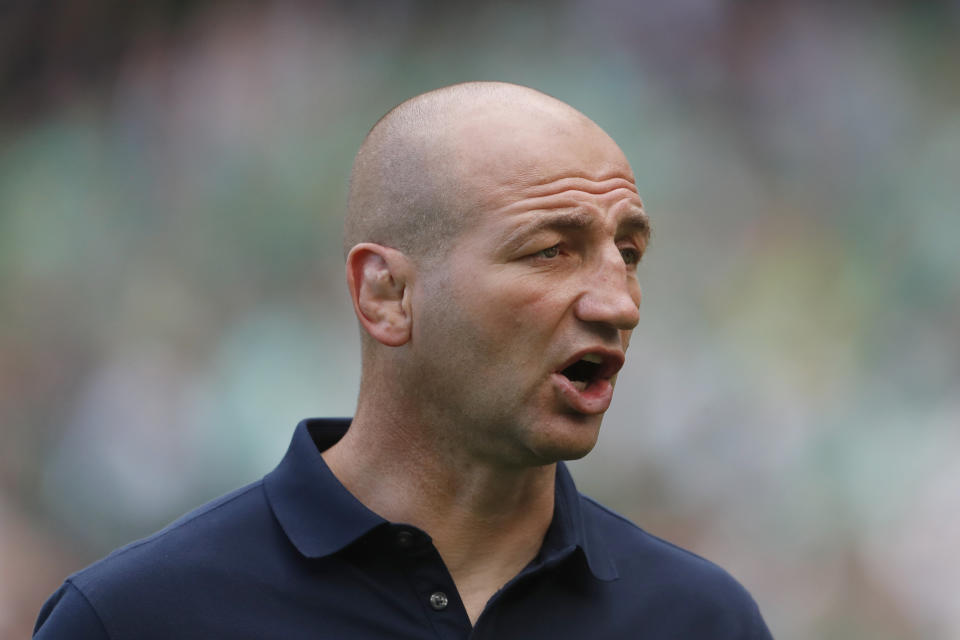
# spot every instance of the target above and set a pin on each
(570, 438)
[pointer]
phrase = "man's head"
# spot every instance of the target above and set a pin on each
(492, 238)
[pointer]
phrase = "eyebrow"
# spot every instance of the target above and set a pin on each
(563, 221)
(637, 221)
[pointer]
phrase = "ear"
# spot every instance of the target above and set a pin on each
(379, 279)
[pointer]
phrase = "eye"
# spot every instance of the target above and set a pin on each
(549, 252)
(631, 256)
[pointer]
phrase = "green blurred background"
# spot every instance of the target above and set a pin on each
(172, 182)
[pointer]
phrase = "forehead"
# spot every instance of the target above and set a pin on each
(520, 163)
(500, 149)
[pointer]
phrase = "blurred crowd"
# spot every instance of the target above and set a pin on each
(172, 182)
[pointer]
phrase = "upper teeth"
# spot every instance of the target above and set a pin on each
(593, 357)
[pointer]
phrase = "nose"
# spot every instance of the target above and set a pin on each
(611, 295)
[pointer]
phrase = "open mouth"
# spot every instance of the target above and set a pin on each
(590, 368)
(584, 371)
(584, 383)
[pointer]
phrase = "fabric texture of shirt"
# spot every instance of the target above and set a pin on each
(295, 555)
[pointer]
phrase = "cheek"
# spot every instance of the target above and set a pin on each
(501, 321)
(508, 325)
(525, 309)
(530, 326)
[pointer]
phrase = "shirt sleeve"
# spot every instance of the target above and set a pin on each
(68, 614)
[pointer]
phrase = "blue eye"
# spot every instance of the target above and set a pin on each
(550, 252)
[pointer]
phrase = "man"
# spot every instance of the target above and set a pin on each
(493, 235)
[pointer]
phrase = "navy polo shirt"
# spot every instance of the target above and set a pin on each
(295, 555)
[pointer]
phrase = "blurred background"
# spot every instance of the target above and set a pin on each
(172, 181)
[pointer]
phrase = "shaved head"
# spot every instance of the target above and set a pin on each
(493, 234)
(414, 181)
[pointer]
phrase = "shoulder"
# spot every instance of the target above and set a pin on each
(142, 582)
(207, 533)
(671, 577)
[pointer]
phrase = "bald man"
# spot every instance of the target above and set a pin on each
(492, 241)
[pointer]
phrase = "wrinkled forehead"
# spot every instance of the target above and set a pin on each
(500, 155)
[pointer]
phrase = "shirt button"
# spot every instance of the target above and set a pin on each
(439, 600)
(404, 539)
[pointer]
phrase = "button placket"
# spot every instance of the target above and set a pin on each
(437, 593)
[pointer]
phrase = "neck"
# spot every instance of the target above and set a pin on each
(486, 521)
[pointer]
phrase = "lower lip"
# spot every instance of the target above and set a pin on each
(591, 401)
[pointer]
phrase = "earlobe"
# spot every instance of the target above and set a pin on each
(378, 278)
